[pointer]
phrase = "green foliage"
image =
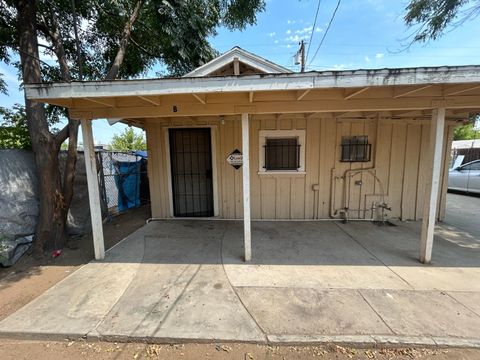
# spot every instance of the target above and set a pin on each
(13, 128)
(466, 132)
(432, 17)
(128, 141)
(173, 33)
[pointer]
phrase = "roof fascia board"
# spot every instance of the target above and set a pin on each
(294, 81)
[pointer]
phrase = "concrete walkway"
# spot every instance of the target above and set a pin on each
(308, 282)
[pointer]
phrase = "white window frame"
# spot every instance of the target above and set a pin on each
(275, 134)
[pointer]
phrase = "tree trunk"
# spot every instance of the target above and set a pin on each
(50, 232)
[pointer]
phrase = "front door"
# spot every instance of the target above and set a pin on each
(191, 167)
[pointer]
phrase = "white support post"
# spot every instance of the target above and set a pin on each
(433, 183)
(93, 191)
(246, 188)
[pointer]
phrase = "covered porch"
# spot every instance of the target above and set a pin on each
(185, 280)
(435, 96)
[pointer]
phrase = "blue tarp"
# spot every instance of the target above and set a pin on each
(141, 153)
(127, 180)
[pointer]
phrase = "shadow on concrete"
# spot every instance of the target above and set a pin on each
(294, 243)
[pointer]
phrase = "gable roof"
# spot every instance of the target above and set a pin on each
(243, 56)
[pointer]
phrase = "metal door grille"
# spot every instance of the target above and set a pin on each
(191, 167)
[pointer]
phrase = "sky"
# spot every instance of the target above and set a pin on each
(364, 34)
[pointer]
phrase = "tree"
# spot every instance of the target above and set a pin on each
(432, 17)
(13, 128)
(121, 38)
(128, 141)
(466, 132)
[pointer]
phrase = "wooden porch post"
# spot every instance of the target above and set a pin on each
(246, 188)
(93, 191)
(431, 195)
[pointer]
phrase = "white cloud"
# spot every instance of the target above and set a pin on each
(8, 74)
(294, 38)
(288, 32)
(276, 41)
(272, 34)
(291, 22)
(379, 55)
(305, 30)
(317, 29)
(367, 59)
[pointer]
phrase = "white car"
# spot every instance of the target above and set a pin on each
(465, 177)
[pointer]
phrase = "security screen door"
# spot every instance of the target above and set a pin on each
(191, 168)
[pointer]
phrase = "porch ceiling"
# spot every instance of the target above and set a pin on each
(399, 92)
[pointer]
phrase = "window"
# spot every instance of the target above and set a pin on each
(355, 149)
(472, 166)
(281, 151)
(282, 154)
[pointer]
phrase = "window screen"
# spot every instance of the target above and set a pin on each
(355, 148)
(282, 153)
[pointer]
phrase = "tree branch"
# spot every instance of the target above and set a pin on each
(127, 31)
(62, 135)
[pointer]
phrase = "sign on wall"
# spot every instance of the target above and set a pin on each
(235, 159)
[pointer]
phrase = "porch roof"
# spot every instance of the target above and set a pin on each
(326, 91)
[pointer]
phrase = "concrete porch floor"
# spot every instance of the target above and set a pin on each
(183, 280)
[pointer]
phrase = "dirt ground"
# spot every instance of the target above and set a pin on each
(31, 277)
(98, 350)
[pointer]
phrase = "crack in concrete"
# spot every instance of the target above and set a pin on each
(376, 257)
(376, 312)
(235, 291)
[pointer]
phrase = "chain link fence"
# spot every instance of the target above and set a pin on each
(123, 181)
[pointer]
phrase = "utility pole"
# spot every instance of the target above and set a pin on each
(300, 56)
(302, 51)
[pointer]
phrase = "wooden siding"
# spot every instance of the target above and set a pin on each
(396, 173)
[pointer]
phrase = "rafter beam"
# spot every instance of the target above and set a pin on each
(302, 94)
(149, 100)
(460, 89)
(101, 101)
(200, 98)
(355, 93)
(411, 91)
(273, 107)
(250, 96)
(407, 113)
(311, 115)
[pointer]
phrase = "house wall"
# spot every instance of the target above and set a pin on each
(398, 162)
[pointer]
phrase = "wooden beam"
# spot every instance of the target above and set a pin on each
(93, 191)
(272, 107)
(100, 101)
(355, 93)
(302, 94)
(250, 96)
(437, 129)
(460, 89)
(407, 113)
(149, 100)
(247, 236)
(236, 66)
(411, 91)
(200, 98)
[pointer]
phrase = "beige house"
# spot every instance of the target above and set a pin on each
(243, 138)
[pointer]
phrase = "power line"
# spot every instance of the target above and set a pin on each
(313, 29)
(326, 31)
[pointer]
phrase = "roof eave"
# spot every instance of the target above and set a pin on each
(267, 82)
